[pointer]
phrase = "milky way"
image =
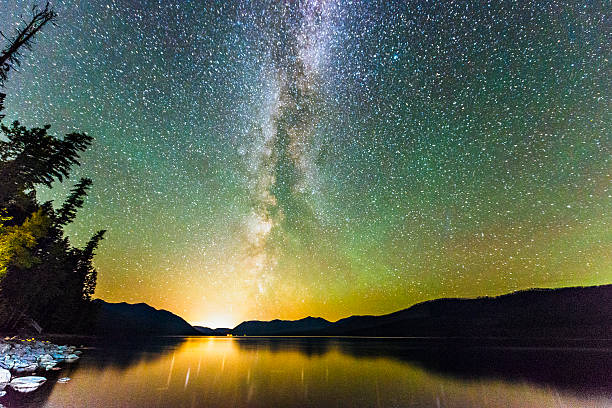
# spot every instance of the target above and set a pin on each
(279, 159)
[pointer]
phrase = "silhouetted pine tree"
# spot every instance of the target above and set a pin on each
(32, 156)
(42, 276)
(23, 38)
(69, 209)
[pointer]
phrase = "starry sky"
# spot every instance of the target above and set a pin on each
(278, 159)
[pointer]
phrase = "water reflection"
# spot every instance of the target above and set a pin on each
(321, 372)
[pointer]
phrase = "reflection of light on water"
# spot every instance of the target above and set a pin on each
(187, 378)
(249, 372)
(170, 371)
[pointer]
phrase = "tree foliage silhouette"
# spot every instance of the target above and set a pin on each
(42, 276)
(32, 156)
(22, 39)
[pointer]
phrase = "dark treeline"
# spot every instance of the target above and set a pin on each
(44, 280)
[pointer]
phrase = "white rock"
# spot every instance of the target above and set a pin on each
(5, 375)
(27, 384)
(63, 380)
(71, 357)
(48, 365)
(45, 358)
(7, 363)
(26, 368)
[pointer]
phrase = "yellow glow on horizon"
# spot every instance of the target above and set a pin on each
(217, 321)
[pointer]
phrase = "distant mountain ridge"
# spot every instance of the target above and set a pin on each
(138, 319)
(207, 331)
(278, 327)
(575, 312)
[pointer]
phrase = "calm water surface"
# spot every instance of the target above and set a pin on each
(326, 372)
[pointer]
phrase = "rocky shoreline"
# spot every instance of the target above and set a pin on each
(21, 358)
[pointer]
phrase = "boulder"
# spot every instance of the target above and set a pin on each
(45, 357)
(27, 384)
(5, 375)
(71, 357)
(48, 365)
(25, 367)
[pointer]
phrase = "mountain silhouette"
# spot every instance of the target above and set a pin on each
(278, 327)
(138, 319)
(207, 331)
(575, 312)
(566, 313)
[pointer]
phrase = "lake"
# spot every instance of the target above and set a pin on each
(327, 372)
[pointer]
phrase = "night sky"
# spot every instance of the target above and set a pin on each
(260, 160)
